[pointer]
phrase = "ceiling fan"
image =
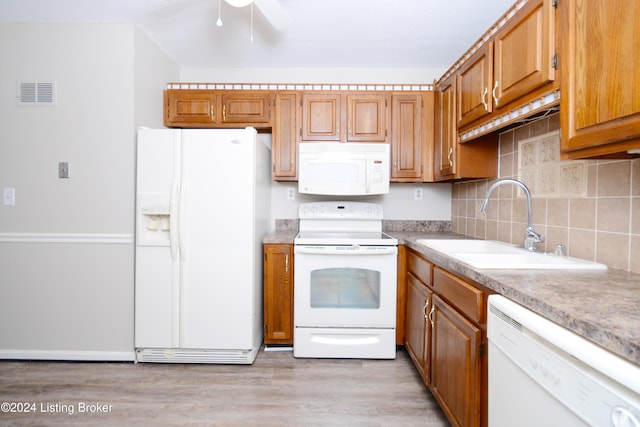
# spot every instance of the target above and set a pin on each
(271, 9)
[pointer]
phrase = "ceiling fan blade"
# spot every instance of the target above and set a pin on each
(274, 12)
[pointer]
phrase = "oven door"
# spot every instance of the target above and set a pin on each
(345, 286)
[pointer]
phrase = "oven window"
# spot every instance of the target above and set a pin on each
(345, 288)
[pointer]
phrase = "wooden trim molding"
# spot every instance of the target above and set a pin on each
(300, 86)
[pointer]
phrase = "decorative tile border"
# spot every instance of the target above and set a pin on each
(539, 167)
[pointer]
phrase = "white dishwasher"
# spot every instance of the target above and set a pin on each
(541, 374)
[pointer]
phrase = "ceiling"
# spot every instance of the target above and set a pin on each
(321, 33)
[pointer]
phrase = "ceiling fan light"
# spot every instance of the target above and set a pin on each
(239, 3)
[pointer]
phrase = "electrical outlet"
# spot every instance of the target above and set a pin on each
(8, 196)
(291, 193)
(417, 194)
(63, 170)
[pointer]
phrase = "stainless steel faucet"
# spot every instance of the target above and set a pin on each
(530, 236)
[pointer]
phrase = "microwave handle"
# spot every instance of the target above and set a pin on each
(367, 176)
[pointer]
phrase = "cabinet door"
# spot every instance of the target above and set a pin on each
(246, 108)
(366, 117)
(278, 294)
(284, 143)
(473, 86)
(445, 131)
(321, 114)
(600, 77)
(406, 138)
(418, 330)
(523, 52)
(189, 107)
(456, 365)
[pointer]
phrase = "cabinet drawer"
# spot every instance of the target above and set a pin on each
(420, 268)
(467, 298)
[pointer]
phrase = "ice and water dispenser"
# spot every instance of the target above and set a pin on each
(154, 219)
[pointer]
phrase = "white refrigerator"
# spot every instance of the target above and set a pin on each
(202, 210)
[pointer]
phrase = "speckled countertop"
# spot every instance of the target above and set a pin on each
(601, 306)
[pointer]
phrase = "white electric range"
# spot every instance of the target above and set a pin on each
(345, 282)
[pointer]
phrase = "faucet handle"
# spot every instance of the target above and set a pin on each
(531, 238)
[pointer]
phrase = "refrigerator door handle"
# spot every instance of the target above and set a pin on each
(181, 208)
(174, 229)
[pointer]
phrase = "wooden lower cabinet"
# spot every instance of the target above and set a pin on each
(278, 294)
(455, 364)
(445, 336)
(418, 329)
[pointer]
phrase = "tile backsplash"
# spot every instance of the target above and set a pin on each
(592, 207)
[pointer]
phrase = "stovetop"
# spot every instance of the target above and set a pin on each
(342, 223)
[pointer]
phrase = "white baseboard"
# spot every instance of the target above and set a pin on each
(66, 238)
(102, 356)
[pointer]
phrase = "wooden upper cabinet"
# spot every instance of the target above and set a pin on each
(367, 117)
(189, 108)
(284, 137)
(511, 69)
(321, 116)
(473, 86)
(524, 49)
(214, 109)
(454, 160)
(344, 117)
(244, 107)
(600, 77)
(406, 137)
(445, 131)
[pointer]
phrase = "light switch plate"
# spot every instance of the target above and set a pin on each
(8, 196)
(63, 170)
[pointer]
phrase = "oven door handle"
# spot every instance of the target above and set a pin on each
(346, 250)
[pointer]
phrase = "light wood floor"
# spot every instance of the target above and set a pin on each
(277, 390)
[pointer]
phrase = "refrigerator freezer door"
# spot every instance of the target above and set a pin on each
(217, 254)
(156, 272)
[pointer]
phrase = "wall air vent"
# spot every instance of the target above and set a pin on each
(36, 94)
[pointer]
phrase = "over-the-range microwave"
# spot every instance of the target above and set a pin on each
(343, 169)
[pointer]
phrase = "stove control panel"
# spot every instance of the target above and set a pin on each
(340, 210)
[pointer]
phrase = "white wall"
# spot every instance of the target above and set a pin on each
(399, 204)
(313, 75)
(66, 247)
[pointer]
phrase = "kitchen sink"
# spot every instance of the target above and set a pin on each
(491, 254)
